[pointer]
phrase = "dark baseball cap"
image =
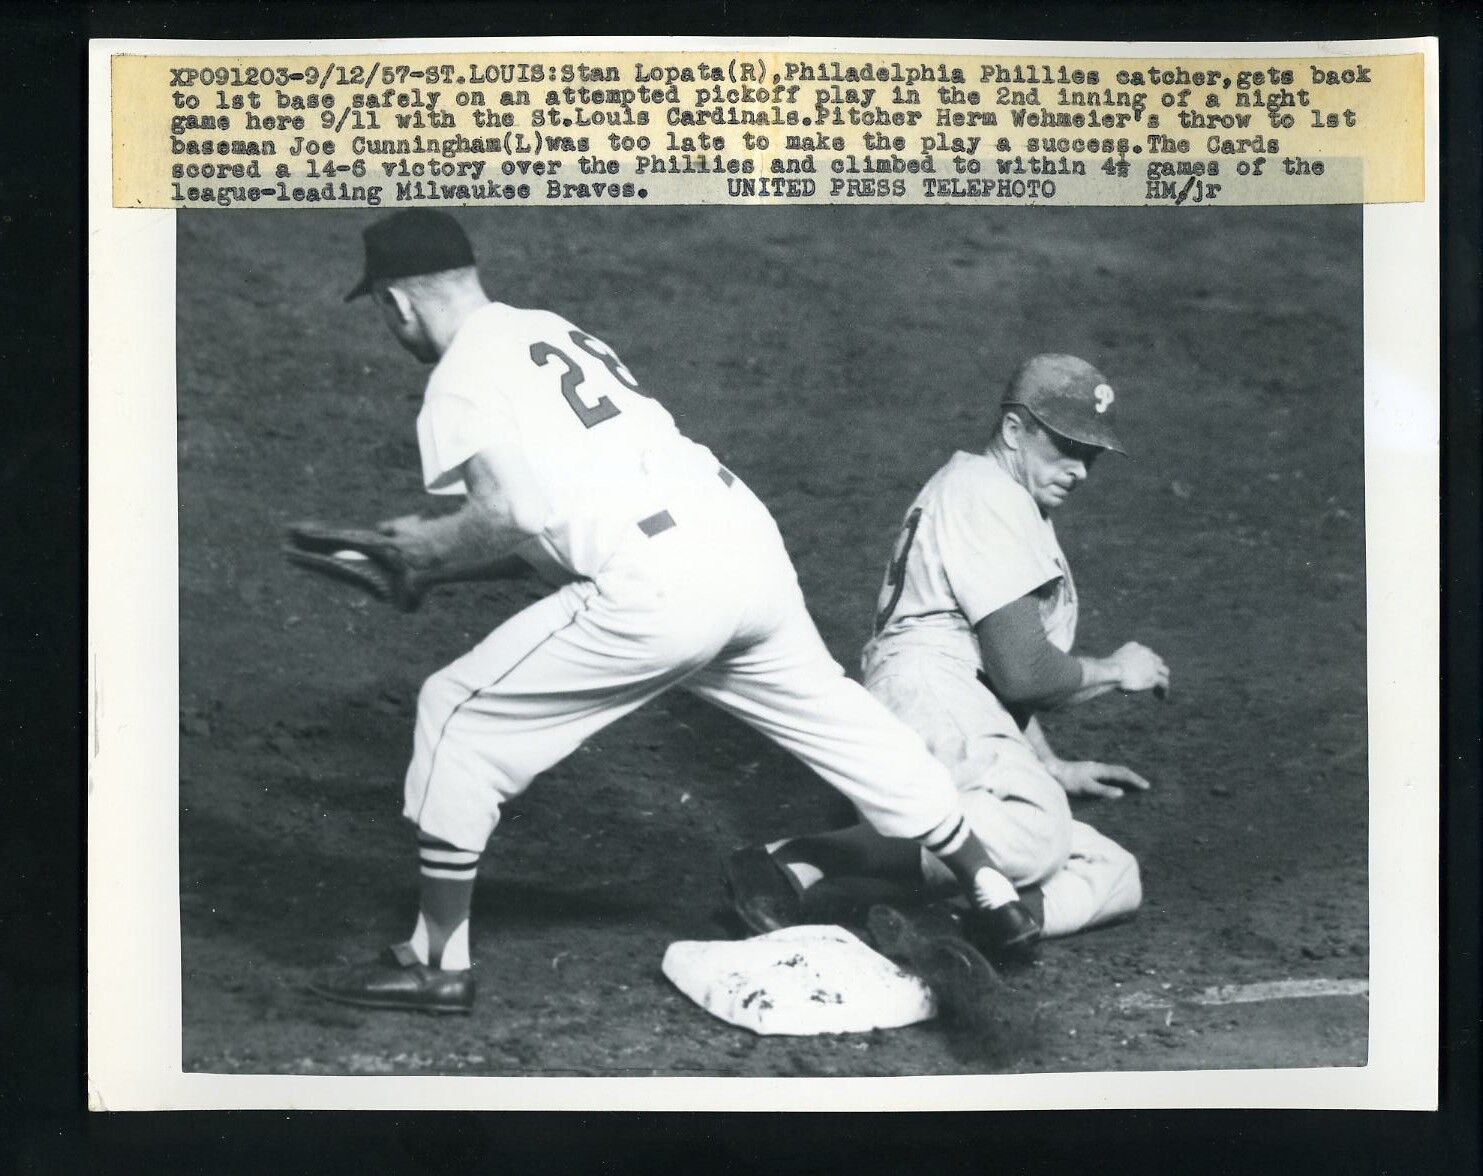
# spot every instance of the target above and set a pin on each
(1068, 396)
(412, 241)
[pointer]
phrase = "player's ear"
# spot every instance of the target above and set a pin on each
(403, 304)
(1011, 428)
(394, 303)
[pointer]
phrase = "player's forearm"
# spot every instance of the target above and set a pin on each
(1098, 676)
(1021, 666)
(1035, 735)
(500, 567)
(1027, 672)
(1044, 678)
(1062, 694)
(473, 543)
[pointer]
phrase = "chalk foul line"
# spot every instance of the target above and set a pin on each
(1266, 990)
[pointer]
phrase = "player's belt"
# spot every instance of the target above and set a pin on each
(661, 521)
(657, 524)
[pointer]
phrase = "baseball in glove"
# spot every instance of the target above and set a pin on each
(366, 559)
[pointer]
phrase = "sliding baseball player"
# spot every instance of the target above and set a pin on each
(974, 629)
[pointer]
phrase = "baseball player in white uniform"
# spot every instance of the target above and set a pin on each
(667, 571)
(974, 628)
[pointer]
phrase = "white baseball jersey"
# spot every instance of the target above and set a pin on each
(533, 374)
(972, 542)
(671, 572)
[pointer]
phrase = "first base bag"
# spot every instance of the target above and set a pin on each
(798, 981)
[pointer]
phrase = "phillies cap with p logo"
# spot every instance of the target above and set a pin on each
(410, 242)
(1068, 396)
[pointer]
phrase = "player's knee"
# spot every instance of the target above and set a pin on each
(1126, 885)
(1026, 843)
(464, 817)
(1134, 883)
(1029, 853)
(438, 695)
(1049, 843)
(1045, 856)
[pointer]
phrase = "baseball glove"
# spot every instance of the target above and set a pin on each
(366, 559)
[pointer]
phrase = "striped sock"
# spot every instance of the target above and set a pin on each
(949, 837)
(441, 937)
(964, 854)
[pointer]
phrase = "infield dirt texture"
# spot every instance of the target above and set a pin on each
(834, 358)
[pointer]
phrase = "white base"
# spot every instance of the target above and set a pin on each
(799, 981)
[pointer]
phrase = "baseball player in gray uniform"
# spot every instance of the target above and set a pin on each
(665, 571)
(974, 628)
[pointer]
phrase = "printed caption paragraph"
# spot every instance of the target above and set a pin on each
(698, 128)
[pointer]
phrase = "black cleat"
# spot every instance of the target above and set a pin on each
(763, 893)
(399, 981)
(846, 901)
(1007, 934)
(960, 977)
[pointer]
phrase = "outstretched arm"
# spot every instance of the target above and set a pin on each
(504, 507)
(1035, 735)
(1025, 670)
(452, 570)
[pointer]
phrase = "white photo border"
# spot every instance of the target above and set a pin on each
(134, 975)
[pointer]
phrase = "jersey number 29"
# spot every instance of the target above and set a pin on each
(572, 376)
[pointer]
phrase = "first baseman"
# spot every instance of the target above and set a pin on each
(666, 571)
(974, 628)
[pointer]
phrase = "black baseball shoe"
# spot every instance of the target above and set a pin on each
(846, 902)
(1007, 934)
(763, 893)
(399, 981)
(928, 942)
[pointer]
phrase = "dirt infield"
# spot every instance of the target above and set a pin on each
(833, 358)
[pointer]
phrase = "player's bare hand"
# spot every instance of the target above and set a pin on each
(1140, 668)
(1089, 778)
(401, 526)
(409, 533)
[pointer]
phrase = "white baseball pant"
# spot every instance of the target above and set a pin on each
(702, 596)
(1013, 804)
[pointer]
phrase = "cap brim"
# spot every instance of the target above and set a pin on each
(1103, 438)
(1106, 440)
(362, 287)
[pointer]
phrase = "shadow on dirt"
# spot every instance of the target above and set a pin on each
(232, 886)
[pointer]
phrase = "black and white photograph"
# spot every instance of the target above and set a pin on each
(838, 642)
(656, 654)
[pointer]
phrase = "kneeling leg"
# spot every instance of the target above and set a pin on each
(1099, 883)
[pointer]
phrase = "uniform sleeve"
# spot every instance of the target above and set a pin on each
(990, 552)
(452, 428)
(1021, 665)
